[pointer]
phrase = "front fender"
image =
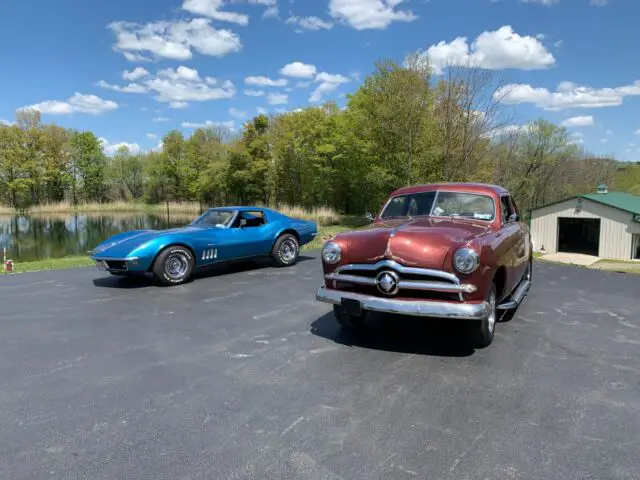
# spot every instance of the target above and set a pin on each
(148, 252)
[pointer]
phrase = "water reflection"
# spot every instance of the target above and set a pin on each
(38, 237)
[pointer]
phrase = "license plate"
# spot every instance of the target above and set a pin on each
(102, 265)
(352, 307)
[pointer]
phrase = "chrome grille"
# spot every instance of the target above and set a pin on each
(409, 278)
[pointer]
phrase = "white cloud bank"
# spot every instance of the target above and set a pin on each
(567, 95)
(178, 87)
(176, 40)
(496, 50)
(580, 121)
(78, 103)
(369, 14)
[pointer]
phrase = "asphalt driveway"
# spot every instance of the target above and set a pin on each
(243, 375)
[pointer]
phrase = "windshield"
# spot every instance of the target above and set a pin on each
(215, 218)
(441, 204)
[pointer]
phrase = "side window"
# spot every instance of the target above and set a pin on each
(507, 210)
(514, 206)
(254, 219)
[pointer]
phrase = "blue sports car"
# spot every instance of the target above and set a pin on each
(218, 235)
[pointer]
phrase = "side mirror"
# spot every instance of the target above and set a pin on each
(368, 216)
(243, 223)
(514, 217)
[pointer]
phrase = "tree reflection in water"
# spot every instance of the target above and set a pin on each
(29, 237)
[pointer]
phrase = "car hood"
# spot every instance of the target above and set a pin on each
(423, 242)
(121, 245)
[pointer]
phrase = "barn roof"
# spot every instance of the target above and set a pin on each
(621, 200)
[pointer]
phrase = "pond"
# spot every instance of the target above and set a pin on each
(29, 237)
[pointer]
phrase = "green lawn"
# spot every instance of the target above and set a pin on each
(84, 261)
(53, 264)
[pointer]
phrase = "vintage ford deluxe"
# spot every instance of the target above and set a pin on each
(449, 250)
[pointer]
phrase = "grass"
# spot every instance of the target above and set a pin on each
(78, 261)
(321, 215)
(53, 264)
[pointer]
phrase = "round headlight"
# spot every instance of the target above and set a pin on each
(466, 260)
(331, 252)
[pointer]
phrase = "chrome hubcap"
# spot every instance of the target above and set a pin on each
(176, 265)
(288, 250)
(491, 320)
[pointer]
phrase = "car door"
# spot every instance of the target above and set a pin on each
(524, 245)
(520, 244)
(511, 241)
(245, 238)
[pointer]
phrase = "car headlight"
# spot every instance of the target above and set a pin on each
(466, 260)
(331, 252)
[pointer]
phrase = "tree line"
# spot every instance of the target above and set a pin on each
(401, 127)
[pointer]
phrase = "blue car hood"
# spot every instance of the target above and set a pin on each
(121, 247)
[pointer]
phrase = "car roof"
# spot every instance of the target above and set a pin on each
(452, 186)
(243, 208)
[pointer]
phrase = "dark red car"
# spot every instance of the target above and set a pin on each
(449, 250)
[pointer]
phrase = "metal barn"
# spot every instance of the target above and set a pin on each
(604, 224)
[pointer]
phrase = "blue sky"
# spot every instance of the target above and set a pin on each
(130, 70)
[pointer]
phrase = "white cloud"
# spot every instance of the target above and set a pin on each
(174, 40)
(637, 132)
(277, 98)
(179, 86)
(178, 105)
(609, 132)
(255, 93)
(580, 121)
(328, 83)
(261, 110)
(131, 88)
(309, 23)
(136, 57)
(369, 14)
(508, 130)
(5, 122)
(266, 82)
(135, 74)
(79, 103)
(567, 95)
(160, 119)
(234, 112)
(111, 148)
(212, 9)
(599, 3)
(298, 70)
(497, 50)
(152, 136)
(231, 124)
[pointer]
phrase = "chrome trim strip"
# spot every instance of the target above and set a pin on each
(464, 311)
(113, 259)
(405, 284)
(400, 268)
(351, 279)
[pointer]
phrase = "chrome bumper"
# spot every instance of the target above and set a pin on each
(417, 308)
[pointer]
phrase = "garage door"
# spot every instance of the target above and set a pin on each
(579, 235)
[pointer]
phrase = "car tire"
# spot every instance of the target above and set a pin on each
(286, 250)
(485, 329)
(347, 321)
(174, 265)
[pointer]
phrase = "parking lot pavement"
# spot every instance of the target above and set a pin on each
(243, 375)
